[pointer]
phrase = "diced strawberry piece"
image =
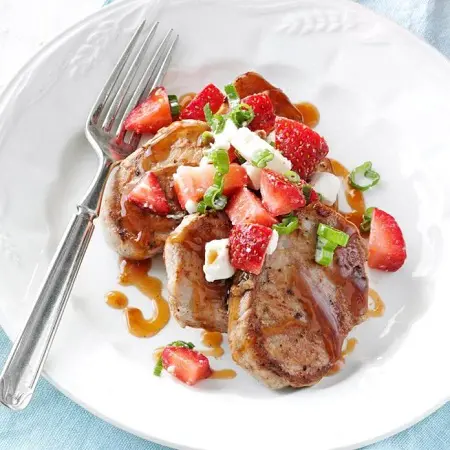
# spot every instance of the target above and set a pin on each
(387, 250)
(210, 94)
(246, 207)
(186, 364)
(192, 182)
(150, 115)
(300, 144)
(279, 195)
(264, 114)
(248, 245)
(148, 194)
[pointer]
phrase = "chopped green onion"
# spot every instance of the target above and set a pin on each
(367, 219)
(208, 114)
(181, 344)
(201, 207)
(363, 177)
(242, 115)
(324, 257)
(272, 143)
(326, 244)
(332, 234)
(207, 137)
(174, 105)
(232, 95)
(159, 364)
(158, 367)
(219, 157)
(292, 176)
(215, 121)
(287, 225)
(262, 157)
(211, 194)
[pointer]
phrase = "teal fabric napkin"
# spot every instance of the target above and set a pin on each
(53, 422)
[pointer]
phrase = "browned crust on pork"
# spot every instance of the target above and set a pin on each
(277, 329)
(194, 301)
(134, 232)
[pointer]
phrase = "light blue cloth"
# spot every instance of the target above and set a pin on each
(53, 422)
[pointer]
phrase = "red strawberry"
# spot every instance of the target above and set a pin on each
(387, 249)
(210, 94)
(300, 144)
(151, 115)
(248, 245)
(246, 207)
(279, 195)
(264, 114)
(188, 365)
(148, 194)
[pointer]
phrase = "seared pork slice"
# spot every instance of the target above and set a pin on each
(135, 232)
(287, 325)
(253, 83)
(194, 301)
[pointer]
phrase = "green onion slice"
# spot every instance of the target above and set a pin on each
(207, 137)
(324, 257)
(292, 176)
(262, 157)
(326, 244)
(215, 121)
(174, 105)
(219, 157)
(201, 207)
(232, 95)
(364, 177)
(338, 237)
(242, 115)
(367, 219)
(288, 224)
(159, 365)
(272, 143)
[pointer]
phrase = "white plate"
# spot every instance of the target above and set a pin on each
(383, 96)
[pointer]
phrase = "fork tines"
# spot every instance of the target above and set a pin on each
(122, 92)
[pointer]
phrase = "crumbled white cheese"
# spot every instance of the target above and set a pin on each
(249, 144)
(191, 206)
(204, 161)
(272, 243)
(254, 174)
(217, 260)
(327, 185)
(271, 137)
(223, 139)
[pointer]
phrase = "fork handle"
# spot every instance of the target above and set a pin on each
(21, 372)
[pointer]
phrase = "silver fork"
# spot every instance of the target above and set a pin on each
(104, 132)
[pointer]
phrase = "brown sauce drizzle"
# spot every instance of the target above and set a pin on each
(213, 340)
(310, 113)
(339, 364)
(135, 273)
(224, 374)
(355, 198)
(116, 300)
(379, 308)
(185, 99)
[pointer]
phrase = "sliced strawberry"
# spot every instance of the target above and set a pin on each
(150, 115)
(210, 94)
(300, 144)
(279, 195)
(248, 245)
(188, 365)
(191, 182)
(148, 194)
(245, 207)
(387, 250)
(264, 114)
